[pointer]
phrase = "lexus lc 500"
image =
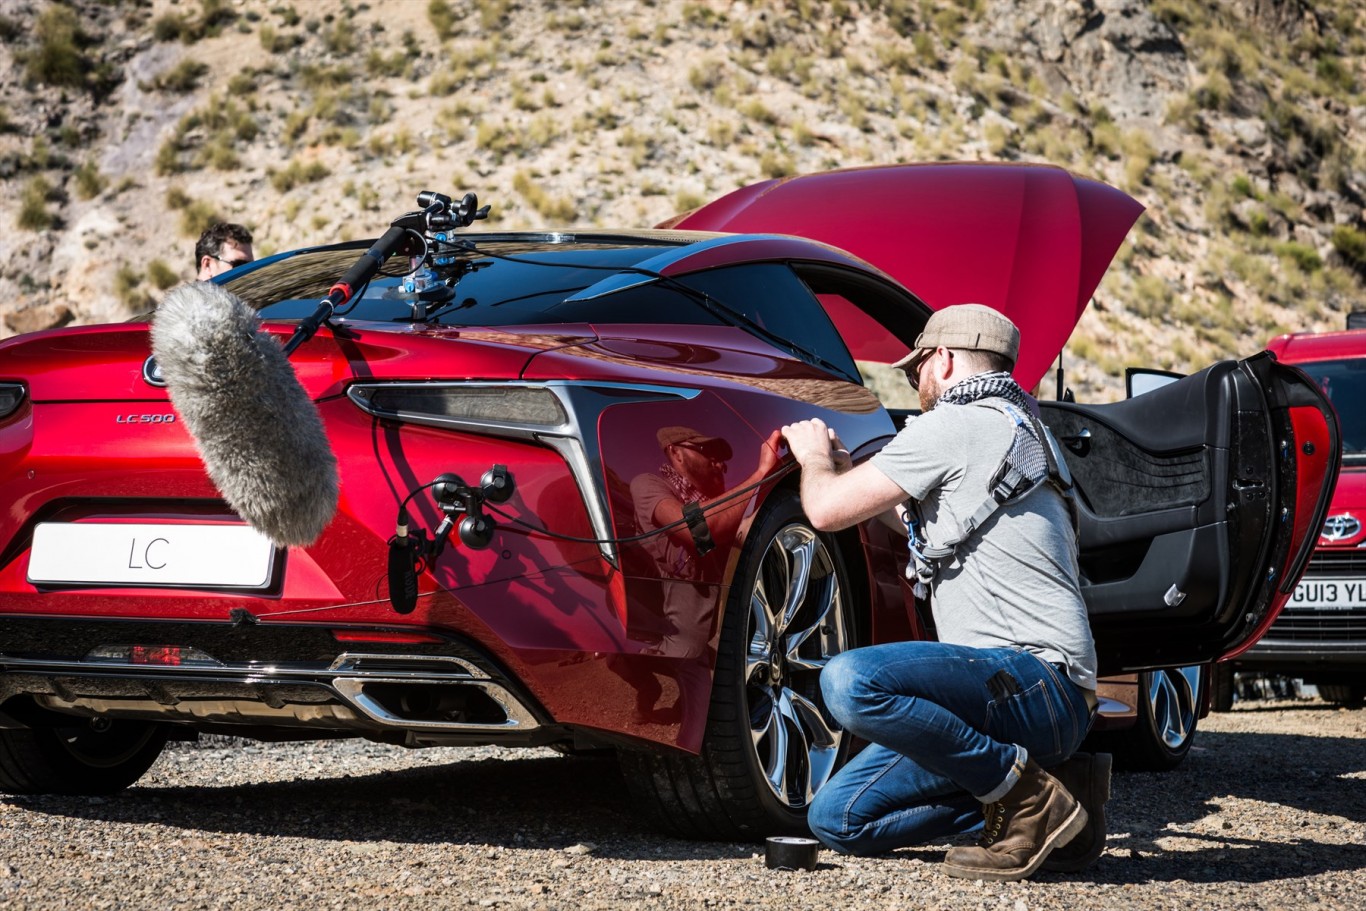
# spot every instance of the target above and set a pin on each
(544, 503)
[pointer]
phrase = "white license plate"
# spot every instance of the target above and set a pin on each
(208, 556)
(1329, 594)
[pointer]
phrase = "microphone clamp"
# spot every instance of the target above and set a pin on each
(457, 498)
(411, 551)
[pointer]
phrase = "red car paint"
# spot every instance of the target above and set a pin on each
(1327, 644)
(575, 629)
(1053, 235)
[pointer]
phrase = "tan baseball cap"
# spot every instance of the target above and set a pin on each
(971, 327)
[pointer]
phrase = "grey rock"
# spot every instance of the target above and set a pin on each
(1109, 53)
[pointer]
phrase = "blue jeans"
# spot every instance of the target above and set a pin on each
(950, 727)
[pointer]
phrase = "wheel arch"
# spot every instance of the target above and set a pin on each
(747, 780)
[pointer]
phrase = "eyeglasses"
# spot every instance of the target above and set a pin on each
(913, 376)
(230, 263)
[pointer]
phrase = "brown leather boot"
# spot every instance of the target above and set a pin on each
(1087, 778)
(1021, 829)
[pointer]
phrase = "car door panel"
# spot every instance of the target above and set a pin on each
(1106, 531)
(1195, 502)
(1181, 575)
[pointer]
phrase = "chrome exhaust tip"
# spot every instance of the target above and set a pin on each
(419, 692)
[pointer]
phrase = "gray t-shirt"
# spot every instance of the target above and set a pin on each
(1013, 582)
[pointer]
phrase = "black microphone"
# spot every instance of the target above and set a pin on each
(259, 434)
(404, 553)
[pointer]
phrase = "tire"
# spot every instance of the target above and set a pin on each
(1348, 694)
(84, 756)
(769, 743)
(1221, 686)
(1168, 709)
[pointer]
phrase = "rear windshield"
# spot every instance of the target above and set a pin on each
(513, 284)
(1344, 382)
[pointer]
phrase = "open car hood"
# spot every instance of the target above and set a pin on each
(1029, 240)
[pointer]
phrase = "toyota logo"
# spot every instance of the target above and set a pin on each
(1339, 528)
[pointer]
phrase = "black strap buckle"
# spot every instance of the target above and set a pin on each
(697, 524)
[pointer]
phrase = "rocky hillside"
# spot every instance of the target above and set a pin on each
(126, 127)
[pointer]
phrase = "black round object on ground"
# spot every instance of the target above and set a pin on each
(784, 852)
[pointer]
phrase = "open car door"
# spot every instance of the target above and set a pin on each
(1199, 504)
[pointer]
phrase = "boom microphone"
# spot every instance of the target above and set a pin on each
(260, 436)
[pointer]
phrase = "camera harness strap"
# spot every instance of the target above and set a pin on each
(1032, 461)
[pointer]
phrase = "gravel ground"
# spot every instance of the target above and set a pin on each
(1268, 812)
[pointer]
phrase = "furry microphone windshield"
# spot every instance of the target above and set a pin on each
(259, 434)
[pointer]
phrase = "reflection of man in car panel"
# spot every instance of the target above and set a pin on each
(692, 477)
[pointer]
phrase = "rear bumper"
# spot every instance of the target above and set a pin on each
(298, 679)
(1301, 657)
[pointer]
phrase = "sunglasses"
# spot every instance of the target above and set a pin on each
(707, 451)
(913, 376)
(230, 263)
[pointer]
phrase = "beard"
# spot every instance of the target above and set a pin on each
(930, 392)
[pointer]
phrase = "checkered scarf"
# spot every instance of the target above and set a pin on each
(998, 385)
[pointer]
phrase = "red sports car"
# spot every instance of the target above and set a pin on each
(1321, 634)
(544, 503)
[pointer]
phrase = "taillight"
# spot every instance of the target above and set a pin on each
(11, 397)
(464, 404)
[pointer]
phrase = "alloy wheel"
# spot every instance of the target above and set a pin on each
(1173, 701)
(797, 622)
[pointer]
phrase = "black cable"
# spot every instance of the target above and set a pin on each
(403, 518)
(352, 304)
(777, 475)
(698, 297)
